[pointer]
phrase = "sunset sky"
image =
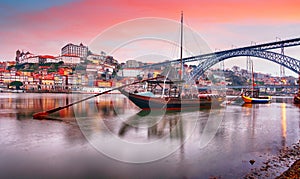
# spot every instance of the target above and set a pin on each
(43, 27)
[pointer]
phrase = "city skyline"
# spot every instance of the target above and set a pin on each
(43, 27)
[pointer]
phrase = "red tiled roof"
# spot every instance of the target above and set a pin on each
(70, 55)
(44, 67)
(46, 56)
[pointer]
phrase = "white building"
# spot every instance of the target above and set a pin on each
(39, 59)
(48, 59)
(34, 59)
(92, 68)
(132, 64)
(130, 72)
(96, 58)
(69, 59)
(77, 50)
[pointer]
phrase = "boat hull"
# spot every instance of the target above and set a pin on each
(258, 100)
(171, 103)
(297, 99)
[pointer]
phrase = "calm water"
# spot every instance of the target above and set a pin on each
(108, 137)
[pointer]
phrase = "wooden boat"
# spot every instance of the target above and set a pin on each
(170, 95)
(297, 96)
(158, 96)
(252, 96)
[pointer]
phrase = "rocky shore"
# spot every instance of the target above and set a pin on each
(292, 173)
(288, 159)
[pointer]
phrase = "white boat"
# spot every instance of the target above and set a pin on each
(95, 90)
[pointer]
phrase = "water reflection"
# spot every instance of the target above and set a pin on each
(251, 131)
(283, 123)
(157, 125)
(250, 110)
(250, 113)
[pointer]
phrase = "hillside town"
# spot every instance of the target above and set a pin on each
(77, 69)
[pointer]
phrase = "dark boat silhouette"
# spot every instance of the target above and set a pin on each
(171, 98)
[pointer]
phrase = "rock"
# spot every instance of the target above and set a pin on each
(252, 162)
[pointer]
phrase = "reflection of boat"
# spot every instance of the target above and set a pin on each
(252, 95)
(171, 95)
(247, 105)
(153, 123)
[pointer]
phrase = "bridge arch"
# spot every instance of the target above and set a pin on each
(286, 61)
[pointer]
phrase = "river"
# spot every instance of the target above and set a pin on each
(109, 137)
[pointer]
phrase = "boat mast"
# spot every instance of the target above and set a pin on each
(181, 37)
(252, 78)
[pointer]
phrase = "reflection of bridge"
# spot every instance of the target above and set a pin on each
(260, 51)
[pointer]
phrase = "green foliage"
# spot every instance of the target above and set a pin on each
(17, 84)
(27, 70)
(47, 64)
(89, 53)
(51, 70)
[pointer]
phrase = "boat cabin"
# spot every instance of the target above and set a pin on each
(253, 93)
(167, 87)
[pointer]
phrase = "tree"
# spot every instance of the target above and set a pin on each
(89, 53)
(17, 84)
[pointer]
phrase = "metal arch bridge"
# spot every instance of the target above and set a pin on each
(260, 51)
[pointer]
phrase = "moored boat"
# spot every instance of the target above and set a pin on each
(95, 90)
(172, 95)
(253, 97)
(170, 98)
(297, 97)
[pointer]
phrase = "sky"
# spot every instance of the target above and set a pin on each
(43, 27)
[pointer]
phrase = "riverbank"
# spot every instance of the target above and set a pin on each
(285, 165)
(292, 173)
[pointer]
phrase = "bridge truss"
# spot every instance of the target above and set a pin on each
(260, 51)
(286, 61)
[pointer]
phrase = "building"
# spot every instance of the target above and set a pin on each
(132, 64)
(39, 59)
(47, 59)
(22, 57)
(34, 59)
(129, 72)
(69, 59)
(77, 50)
(96, 59)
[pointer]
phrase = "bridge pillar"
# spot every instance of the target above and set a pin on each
(282, 69)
